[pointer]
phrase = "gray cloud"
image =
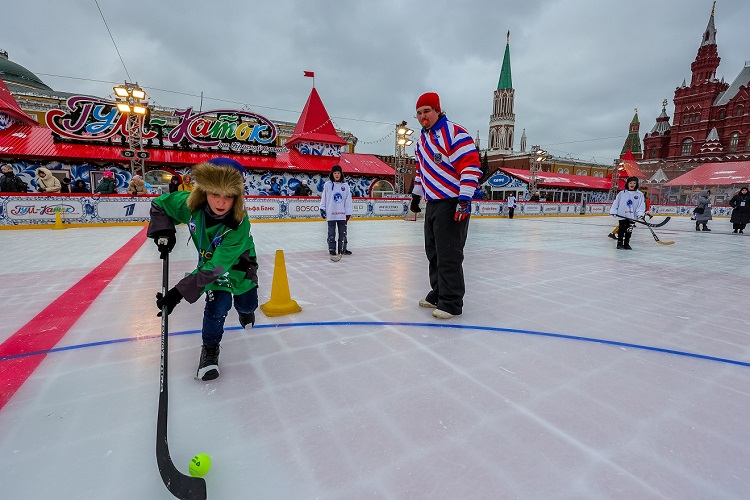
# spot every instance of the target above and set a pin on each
(579, 67)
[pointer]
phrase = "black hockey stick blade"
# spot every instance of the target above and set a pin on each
(181, 486)
(659, 224)
(649, 224)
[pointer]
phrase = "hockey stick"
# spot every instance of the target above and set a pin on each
(181, 486)
(650, 224)
(656, 238)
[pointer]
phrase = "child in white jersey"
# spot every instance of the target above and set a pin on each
(629, 204)
(336, 208)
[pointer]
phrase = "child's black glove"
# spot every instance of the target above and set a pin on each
(165, 241)
(172, 298)
(322, 213)
(415, 204)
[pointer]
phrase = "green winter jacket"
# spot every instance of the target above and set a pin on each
(106, 186)
(226, 251)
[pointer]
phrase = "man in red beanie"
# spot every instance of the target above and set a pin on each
(447, 175)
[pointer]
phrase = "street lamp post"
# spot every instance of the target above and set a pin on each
(131, 101)
(538, 157)
(403, 139)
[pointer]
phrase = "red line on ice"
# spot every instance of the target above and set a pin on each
(48, 327)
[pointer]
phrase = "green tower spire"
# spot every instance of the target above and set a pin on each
(505, 82)
(633, 141)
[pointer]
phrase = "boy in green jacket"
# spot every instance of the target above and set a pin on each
(227, 266)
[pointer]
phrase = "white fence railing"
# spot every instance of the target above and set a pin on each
(33, 209)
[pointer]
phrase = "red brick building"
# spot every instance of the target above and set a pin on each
(711, 117)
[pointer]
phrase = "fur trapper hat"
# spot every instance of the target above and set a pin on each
(220, 176)
(336, 168)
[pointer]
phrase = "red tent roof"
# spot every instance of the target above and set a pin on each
(314, 124)
(715, 174)
(630, 169)
(35, 143)
(9, 106)
(628, 156)
(552, 179)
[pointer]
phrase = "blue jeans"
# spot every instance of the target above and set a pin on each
(218, 304)
(332, 225)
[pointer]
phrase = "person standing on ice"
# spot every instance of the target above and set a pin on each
(336, 209)
(448, 173)
(511, 205)
(740, 204)
(227, 267)
(628, 205)
(703, 210)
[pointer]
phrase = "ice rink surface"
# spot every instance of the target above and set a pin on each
(576, 371)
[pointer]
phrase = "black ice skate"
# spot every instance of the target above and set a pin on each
(346, 252)
(208, 369)
(247, 319)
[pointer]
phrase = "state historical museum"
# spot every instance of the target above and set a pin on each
(711, 121)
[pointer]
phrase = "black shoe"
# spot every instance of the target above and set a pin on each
(620, 245)
(346, 252)
(741, 231)
(612, 235)
(332, 252)
(627, 246)
(247, 319)
(735, 231)
(705, 228)
(208, 369)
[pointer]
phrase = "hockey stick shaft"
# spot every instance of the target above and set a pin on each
(649, 224)
(181, 486)
(656, 238)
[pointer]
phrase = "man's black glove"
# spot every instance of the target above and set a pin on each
(322, 213)
(415, 203)
(165, 241)
(172, 298)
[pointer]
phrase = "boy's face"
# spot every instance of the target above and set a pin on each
(220, 203)
(631, 185)
(336, 176)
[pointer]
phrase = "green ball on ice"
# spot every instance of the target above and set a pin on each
(200, 464)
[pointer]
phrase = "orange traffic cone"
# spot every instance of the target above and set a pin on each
(281, 302)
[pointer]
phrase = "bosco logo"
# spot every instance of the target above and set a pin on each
(305, 208)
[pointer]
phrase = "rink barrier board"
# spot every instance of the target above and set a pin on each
(24, 211)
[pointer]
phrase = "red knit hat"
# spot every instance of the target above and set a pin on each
(430, 99)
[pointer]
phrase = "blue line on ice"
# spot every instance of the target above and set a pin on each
(387, 323)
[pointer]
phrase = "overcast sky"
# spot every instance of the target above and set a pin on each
(579, 67)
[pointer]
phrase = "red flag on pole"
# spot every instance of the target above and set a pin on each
(311, 74)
